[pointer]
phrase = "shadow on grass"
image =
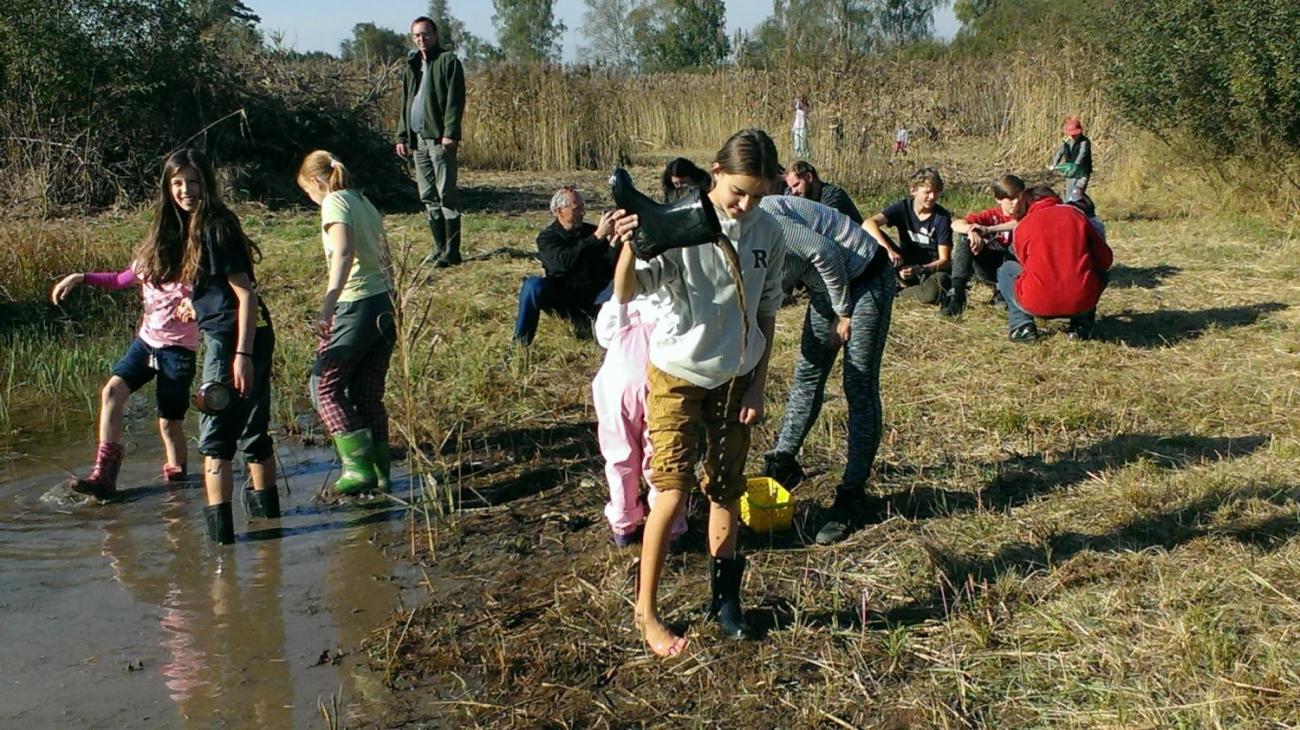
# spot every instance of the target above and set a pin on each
(1169, 327)
(1140, 277)
(1019, 479)
(496, 199)
(959, 578)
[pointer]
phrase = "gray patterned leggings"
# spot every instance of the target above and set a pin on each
(873, 301)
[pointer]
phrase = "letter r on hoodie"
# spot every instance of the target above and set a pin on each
(760, 259)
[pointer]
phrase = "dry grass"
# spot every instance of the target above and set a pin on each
(1076, 534)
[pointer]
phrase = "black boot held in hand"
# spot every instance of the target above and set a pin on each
(263, 505)
(724, 579)
(688, 221)
(221, 523)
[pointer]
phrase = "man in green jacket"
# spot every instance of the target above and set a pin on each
(433, 102)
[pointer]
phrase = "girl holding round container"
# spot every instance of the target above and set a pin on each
(356, 326)
(238, 343)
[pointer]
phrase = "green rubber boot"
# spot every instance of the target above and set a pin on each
(356, 451)
(383, 467)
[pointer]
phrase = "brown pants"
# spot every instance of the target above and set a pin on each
(687, 422)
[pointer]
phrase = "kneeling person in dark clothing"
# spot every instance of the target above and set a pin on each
(802, 180)
(924, 251)
(579, 262)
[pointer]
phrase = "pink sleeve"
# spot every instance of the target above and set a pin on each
(109, 280)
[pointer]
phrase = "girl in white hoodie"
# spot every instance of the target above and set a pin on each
(708, 368)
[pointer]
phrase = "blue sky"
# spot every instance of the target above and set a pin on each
(322, 24)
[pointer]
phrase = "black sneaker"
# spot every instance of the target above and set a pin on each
(846, 514)
(783, 467)
(1025, 333)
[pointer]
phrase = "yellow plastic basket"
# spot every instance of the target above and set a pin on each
(767, 506)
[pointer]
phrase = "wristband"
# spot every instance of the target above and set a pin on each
(245, 354)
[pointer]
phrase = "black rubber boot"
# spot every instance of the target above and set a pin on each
(262, 505)
(438, 227)
(221, 523)
(724, 579)
(956, 303)
(451, 254)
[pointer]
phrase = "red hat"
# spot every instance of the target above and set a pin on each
(1072, 126)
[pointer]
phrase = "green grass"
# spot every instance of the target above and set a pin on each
(1097, 534)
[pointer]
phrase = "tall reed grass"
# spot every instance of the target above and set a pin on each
(975, 119)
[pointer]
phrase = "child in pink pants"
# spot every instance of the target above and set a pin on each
(618, 393)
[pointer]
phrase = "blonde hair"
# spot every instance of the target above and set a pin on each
(322, 165)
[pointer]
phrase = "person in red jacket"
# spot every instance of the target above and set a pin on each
(1060, 270)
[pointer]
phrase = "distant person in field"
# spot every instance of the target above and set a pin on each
(428, 129)
(164, 347)
(800, 127)
(983, 243)
(356, 328)
(578, 259)
(679, 176)
(901, 137)
(1073, 159)
(850, 301)
(801, 179)
(1061, 271)
(924, 228)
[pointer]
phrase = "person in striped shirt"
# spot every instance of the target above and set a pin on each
(850, 300)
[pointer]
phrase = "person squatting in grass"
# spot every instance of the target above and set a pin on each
(577, 258)
(983, 243)
(924, 238)
(1061, 267)
(708, 367)
(238, 342)
(165, 346)
(356, 326)
(850, 299)
(618, 391)
(801, 179)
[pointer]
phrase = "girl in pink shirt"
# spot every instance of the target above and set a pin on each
(164, 348)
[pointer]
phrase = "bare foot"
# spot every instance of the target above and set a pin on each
(661, 639)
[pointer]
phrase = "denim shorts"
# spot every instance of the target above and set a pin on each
(174, 368)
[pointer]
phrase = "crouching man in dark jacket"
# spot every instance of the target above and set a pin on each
(579, 262)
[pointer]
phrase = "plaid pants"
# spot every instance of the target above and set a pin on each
(348, 381)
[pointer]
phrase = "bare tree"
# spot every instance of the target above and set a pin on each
(608, 26)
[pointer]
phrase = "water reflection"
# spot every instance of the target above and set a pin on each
(221, 618)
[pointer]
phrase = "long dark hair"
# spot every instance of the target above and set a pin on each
(173, 248)
(683, 168)
(1031, 196)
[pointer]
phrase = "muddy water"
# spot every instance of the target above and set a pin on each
(125, 615)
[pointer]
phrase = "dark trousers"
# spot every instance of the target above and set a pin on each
(542, 294)
(967, 265)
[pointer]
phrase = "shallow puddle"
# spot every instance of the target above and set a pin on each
(125, 614)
